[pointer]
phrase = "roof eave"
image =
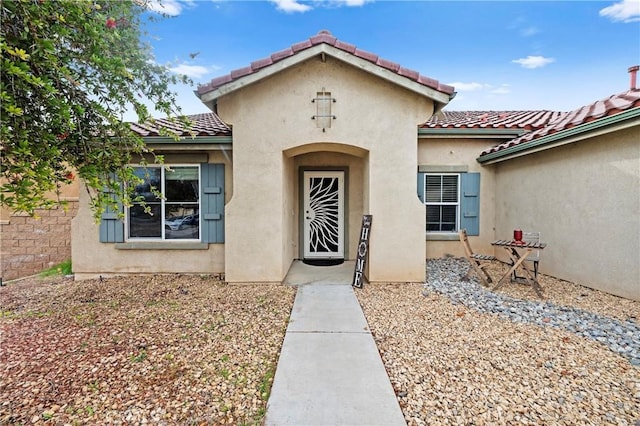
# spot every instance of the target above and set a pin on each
(620, 121)
(440, 98)
(196, 143)
(488, 133)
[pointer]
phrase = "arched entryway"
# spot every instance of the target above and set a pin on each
(328, 197)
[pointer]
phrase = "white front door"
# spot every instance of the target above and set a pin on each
(323, 214)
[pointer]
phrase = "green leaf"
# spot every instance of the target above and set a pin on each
(66, 80)
(13, 110)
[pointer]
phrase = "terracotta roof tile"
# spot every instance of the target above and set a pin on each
(388, 64)
(371, 57)
(241, 72)
(599, 109)
(517, 120)
(430, 82)
(219, 81)
(207, 124)
(619, 102)
(324, 37)
(297, 47)
(604, 108)
(347, 47)
(446, 88)
(285, 53)
(413, 75)
(261, 63)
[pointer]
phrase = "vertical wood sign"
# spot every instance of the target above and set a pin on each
(363, 250)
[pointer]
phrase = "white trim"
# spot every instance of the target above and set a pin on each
(162, 238)
(531, 147)
(313, 51)
(447, 203)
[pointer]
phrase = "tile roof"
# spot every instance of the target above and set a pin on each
(517, 120)
(604, 108)
(537, 123)
(324, 36)
(207, 124)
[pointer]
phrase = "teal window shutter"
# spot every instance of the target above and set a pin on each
(111, 225)
(212, 202)
(470, 203)
(421, 186)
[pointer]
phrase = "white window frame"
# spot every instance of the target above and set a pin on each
(457, 203)
(163, 203)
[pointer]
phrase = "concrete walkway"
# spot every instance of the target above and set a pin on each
(330, 371)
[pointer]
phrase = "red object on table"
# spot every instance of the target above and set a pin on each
(517, 234)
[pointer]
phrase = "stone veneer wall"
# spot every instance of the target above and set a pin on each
(29, 245)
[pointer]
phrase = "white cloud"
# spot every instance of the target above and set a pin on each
(481, 87)
(168, 7)
(529, 31)
(291, 6)
(522, 26)
(467, 87)
(355, 3)
(193, 71)
(502, 90)
(532, 62)
(625, 11)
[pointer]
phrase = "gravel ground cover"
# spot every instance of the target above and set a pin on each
(137, 350)
(457, 353)
(194, 350)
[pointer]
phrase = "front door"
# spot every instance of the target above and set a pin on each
(323, 214)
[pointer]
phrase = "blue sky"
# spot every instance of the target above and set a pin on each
(500, 55)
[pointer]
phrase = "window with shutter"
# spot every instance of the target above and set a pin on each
(452, 201)
(175, 215)
(191, 207)
(442, 201)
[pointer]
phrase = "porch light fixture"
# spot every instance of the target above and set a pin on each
(323, 117)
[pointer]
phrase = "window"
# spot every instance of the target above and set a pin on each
(452, 200)
(193, 209)
(442, 201)
(174, 217)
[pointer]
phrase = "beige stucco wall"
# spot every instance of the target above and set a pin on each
(585, 199)
(92, 258)
(271, 119)
(462, 153)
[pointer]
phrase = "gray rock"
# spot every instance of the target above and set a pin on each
(444, 278)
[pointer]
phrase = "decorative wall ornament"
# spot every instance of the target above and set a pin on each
(323, 117)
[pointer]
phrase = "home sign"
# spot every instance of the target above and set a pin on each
(363, 250)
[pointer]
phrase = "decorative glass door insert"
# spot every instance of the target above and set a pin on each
(323, 214)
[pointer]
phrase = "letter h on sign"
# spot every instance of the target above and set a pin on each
(363, 249)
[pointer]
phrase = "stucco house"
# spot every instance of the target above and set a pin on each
(575, 178)
(301, 144)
